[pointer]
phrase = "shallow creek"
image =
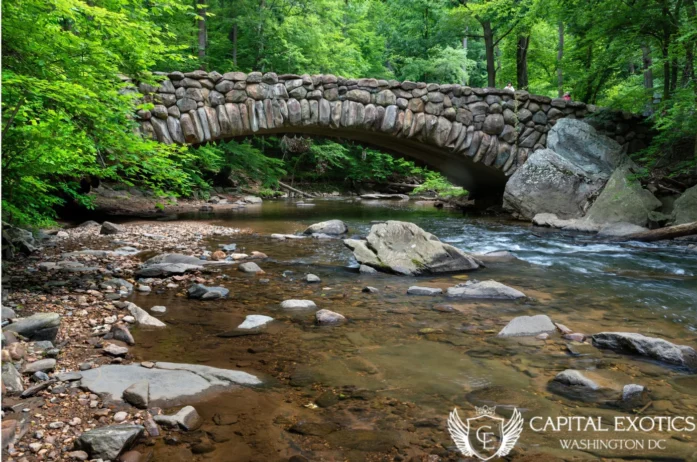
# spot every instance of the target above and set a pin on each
(381, 386)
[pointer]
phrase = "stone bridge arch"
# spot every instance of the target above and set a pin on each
(476, 136)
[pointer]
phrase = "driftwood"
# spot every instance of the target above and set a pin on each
(670, 232)
(297, 191)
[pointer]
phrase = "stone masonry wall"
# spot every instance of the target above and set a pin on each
(493, 126)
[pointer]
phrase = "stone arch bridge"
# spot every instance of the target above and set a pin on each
(476, 136)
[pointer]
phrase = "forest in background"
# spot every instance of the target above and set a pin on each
(65, 117)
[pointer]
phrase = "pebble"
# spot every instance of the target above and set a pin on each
(158, 309)
(120, 416)
(370, 290)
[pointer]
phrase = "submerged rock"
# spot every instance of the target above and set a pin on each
(142, 316)
(199, 291)
(252, 321)
(170, 384)
(484, 289)
(528, 326)
(620, 229)
(365, 269)
(298, 304)
(650, 347)
(312, 278)
(329, 318)
(166, 269)
(331, 227)
(404, 248)
(250, 267)
(417, 290)
(109, 442)
(575, 378)
(383, 197)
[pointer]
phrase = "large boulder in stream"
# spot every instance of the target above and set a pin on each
(565, 177)
(331, 227)
(685, 207)
(623, 200)
(404, 248)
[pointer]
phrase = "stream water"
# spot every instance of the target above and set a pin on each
(380, 387)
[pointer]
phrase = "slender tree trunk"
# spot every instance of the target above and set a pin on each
(689, 71)
(560, 55)
(260, 34)
(490, 58)
(202, 38)
(647, 63)
(464, 47)
(665, 51)
(233, 39)
(673, 74)
(522, 61)
(666, 72)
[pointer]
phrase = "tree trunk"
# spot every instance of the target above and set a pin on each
(647, 62)
(464, 47)
(490, 58)
(234, 45)
(560, 55)
(202, 39)
(522, 61)
(688, 75)
(671, 232)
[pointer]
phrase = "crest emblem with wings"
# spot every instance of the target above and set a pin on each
(485, 436)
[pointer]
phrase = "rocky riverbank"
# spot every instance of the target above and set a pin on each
(63, 322)
(189, 341)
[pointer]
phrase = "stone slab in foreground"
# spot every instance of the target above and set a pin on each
(171, 384)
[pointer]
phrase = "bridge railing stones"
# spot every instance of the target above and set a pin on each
(493, 126)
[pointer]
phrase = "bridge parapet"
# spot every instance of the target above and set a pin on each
(489, 126)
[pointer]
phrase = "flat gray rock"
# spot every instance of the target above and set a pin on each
(418, 290)
(109, 442)
(650, 347)
(171, 384)
(39, 326)
(528, 326)
(42, 365)
(166, 269)
(484, 289)
(250, 267)
(253, 321)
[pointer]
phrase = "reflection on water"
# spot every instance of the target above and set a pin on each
(399, 360)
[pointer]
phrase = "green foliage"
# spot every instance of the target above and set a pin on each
(64, 117)
(438, 184)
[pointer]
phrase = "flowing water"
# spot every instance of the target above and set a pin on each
(381, 385)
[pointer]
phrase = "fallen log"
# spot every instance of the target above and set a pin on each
(670, 232)
(297, 191)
